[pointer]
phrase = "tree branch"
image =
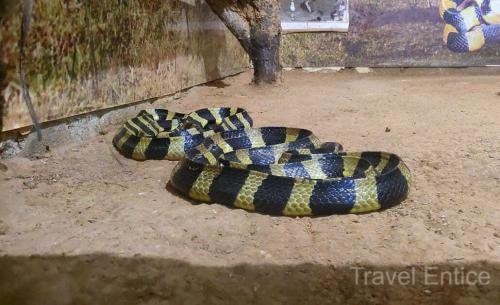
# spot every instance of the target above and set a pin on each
(238, 25)
(256, 24)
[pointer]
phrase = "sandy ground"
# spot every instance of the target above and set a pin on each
(80, 224)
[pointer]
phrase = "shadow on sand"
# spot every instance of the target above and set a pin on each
(108, 279)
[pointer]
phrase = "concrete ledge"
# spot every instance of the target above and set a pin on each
(73, 129)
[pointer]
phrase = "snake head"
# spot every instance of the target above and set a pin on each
(222, 163)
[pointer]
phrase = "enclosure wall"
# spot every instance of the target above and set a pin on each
(87, 55)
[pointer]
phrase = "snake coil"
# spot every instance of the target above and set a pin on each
(271, 170)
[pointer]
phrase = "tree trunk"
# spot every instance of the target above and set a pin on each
(256, 24)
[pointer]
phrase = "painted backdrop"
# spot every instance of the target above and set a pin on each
(403, 33)
(83, 55)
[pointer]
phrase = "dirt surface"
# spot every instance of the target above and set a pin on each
(80, 224)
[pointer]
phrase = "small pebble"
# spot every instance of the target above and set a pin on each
(30, 184)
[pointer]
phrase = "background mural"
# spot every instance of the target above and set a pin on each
(393, 33)
(470, 24)
(93, 54)
(314, 15)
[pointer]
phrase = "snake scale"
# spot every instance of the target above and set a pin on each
(470, 24)
(270, 170)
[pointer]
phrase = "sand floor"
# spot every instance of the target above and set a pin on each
(80, 224)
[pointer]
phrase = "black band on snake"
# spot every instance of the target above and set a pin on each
(270, 170)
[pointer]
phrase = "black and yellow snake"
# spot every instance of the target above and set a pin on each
(470, 24)
(271, 170)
